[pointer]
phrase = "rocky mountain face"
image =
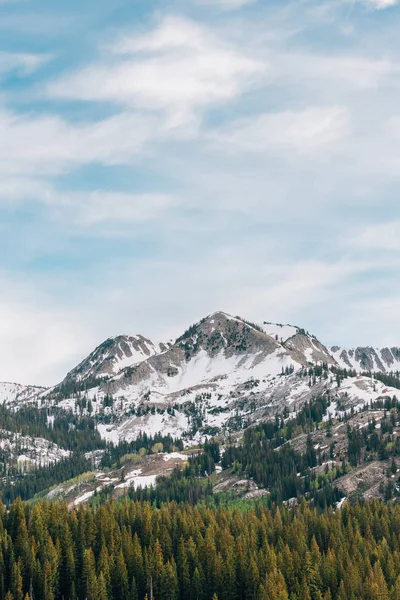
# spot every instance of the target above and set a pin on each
(384, 360)
(218, 349)
(113, 355)
(222, 374)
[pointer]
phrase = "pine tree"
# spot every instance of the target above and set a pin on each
(102, 593)
(89, 578)
(67, 562)
(197, 589)
(133, 594)
(169, 588)
(120, 578)
(17, 581)
(48, 582)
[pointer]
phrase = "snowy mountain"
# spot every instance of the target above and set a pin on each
(113, 355)
(222, 374)
(219, 346)
(28, 451)
(361, 359)
(15, 393)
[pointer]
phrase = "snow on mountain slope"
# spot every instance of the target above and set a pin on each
(311, 350)
(27, 450)
(129, 428)
(298, 340)
(223, 373)
(218, 346)
(367, 358)
(218, 364)
(11, 393)
(357, 392)
(113, 355)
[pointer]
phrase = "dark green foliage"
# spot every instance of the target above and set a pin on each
(68, 431)
(114, 453)
(191, 331)
(390, 379)
(29, 484)
(265, 456)
(180, 487)
(73, 387)
(179, 552)
(189, 483)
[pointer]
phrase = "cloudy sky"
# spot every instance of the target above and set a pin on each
(160, 160)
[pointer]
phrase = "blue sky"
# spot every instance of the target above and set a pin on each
(162, 160)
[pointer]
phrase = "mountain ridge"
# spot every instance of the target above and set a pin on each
(222, 372)
(222, 378)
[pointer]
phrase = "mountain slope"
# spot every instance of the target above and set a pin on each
(222, 374)
(217, 346)
(113, 355)
(16, 393)
(215, 375)
(360, 359)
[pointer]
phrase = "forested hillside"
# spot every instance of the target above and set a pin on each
(134, 551)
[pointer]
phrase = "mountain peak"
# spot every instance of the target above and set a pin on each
(114, 354)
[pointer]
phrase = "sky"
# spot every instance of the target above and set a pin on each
(161, 160)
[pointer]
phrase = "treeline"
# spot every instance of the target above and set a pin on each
(73, 387)
(284, 473)
(135, 551)
(188, 483)
(375, 441)
(390, 379)
(65, 430)
(29, 482)
(372, 442)
(144, 443)
(182, 487)
(27, 485)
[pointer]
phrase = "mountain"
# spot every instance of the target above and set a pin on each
(222, 376)
(223, 373)
(218, 348)
(360, 359)
(113, 355)
(16, 393)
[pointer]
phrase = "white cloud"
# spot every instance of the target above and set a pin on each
(14, 189)
(378, 237)
(23, 64)
(227, 4)
(88, 209)
(180, 67)
(39, 338)
(99, 207)
(380, 4)
(302, 132)
(349, 71)
(49, 144)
